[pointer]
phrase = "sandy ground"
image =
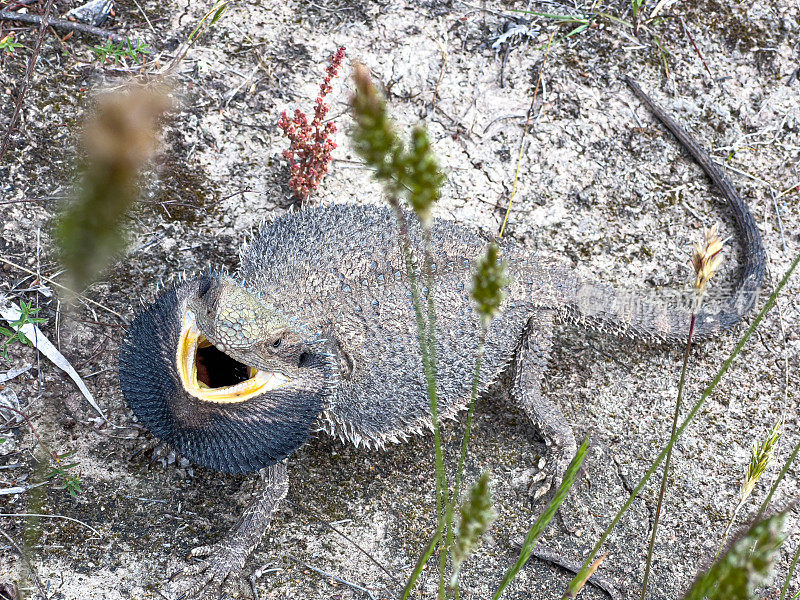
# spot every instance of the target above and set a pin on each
(600, 185)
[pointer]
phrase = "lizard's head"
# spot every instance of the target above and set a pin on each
(217, 373)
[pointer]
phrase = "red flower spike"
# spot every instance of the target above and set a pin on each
(309, 153)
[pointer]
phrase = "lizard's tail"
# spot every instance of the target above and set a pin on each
(665, 318)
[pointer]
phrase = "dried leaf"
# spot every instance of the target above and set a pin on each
(11, 312)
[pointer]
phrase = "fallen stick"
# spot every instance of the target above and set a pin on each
(63, 24)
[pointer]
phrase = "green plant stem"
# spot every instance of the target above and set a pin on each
(544, 519)
(662, 492)
(636, 6)
(451, 506)
(698, 405)
(468, 429)
(790, 574)
(427, 269)
(745, 566)
(727, 530)
(442, 506)
(424, 333)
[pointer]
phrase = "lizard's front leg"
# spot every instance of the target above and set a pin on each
(222, 562)
(530, 365)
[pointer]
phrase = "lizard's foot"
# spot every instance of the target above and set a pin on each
(545, 483)
(218, 570)
(221, 563)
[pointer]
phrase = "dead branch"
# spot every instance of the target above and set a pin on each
(63, 24)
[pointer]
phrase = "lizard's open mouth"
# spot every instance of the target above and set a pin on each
(211, 375)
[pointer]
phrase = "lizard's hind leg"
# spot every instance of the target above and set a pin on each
(529, 367)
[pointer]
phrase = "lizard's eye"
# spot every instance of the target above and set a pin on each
(277, 343)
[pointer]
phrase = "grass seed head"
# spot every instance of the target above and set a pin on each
(477, 515)
(118, 141)
(759, 461)
(374, 137)
(488, 284)
(413, 173)
(707, 258)
(425, 177)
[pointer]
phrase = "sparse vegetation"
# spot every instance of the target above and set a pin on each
(477, 514)
(706, 260)
(70, 482)
(405, 174)
(8, 45)
(745, 567)
(761, 458)
(574, 585)
(662, 53)
(15, 334)
(119, 52)
(636, 6)
(381, 148)
(414, 175)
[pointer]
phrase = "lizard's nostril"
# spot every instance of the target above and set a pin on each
(205, 285)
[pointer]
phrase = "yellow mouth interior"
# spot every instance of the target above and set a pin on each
(212, 376)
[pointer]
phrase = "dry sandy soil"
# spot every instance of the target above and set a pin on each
(601, 185)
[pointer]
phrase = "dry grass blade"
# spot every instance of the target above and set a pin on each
(584, 577)
(66, 289)
(49, 516)
(12, 373)
(522, 140)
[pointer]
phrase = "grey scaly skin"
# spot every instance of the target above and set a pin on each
(317, 332)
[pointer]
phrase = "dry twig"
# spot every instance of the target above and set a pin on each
(63, 24)
(24, 557)
(28, 73)
(48, 516)
(66, 289)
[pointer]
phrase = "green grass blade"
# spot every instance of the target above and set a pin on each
(689, 418)
(790, 574)
(615, 19)
(577, 30)
(544, 519)
(424, 558)
(665, 477)
(555, 17)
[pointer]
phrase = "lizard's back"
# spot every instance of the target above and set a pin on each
(340, 271)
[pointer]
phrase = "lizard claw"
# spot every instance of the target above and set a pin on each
(545, 483)
(201, 551)
(542, 486)
(218, 568)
